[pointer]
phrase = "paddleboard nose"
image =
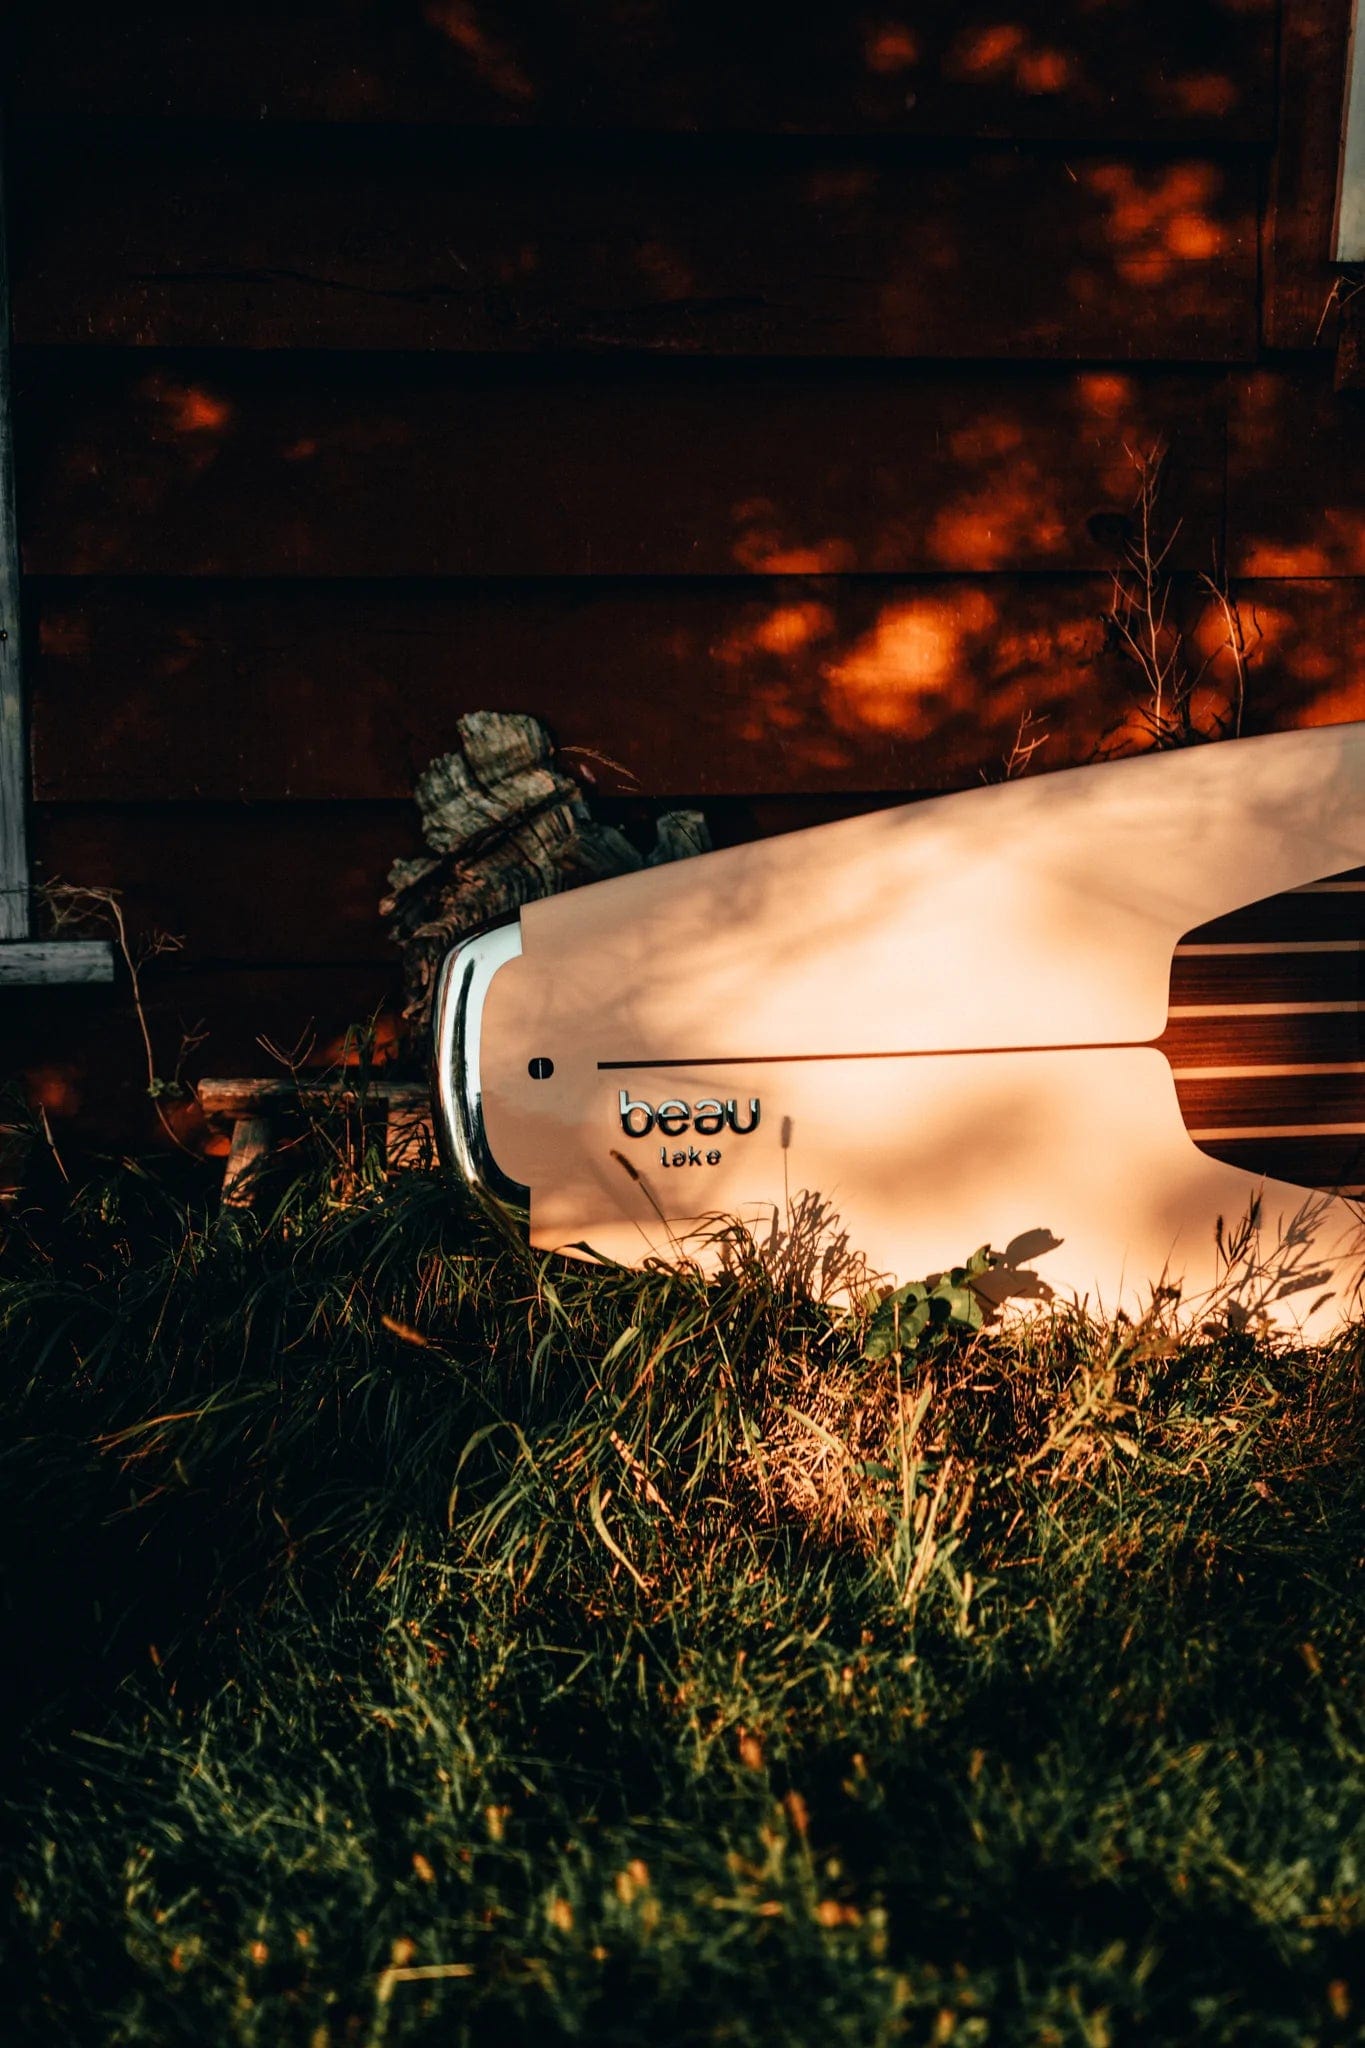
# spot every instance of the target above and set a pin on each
(1117, 1006)
(461, 993)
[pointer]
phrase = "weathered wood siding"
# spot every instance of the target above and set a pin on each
(746, 391)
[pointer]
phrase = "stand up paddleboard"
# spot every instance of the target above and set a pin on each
(1118, 1009)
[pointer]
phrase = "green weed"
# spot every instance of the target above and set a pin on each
(412, 1638)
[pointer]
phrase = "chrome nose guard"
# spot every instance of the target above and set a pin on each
(457, 1021)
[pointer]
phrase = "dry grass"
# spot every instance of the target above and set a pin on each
(421, 1640)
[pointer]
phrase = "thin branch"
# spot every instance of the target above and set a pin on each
(1151, 640)
(72, 903)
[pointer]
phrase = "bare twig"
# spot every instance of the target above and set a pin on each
(345, 1087)
(52, 1142)
(73, 903)
(1153, 641)
(586, 754)
(1031, 735)
(1235, 646)
(1139, 612)
(1348, 286)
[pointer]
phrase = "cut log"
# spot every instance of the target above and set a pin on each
(505, 827)
(502, 772)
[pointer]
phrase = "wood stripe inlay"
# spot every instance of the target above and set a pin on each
(1264, 1009)
(1248, 948)
(1215, 1137)
(1319, 1069)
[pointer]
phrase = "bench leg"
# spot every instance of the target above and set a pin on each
(409, 1144)
(252, 1140)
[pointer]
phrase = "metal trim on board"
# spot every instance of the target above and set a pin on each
(461, 990)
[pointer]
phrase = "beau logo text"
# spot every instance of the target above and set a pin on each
(707, 1118)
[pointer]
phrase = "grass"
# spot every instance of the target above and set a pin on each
(414, 1639)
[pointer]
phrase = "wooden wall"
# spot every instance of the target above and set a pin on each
(749, 391)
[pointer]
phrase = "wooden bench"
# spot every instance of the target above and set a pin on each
(255, 1108)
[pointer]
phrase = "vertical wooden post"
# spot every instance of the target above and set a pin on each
(14, 898)
(23, 959)
(1348, 230)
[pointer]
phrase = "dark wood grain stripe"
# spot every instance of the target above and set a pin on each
(1266, 1038)
(1330, 912)
(1239, 978)
(1319, 1096)
(1336, 1163)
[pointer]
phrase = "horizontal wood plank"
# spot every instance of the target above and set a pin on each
(238, 1098)
(693, 688)
(690, 687)
(80, 1051)
(955, 67)
(35, 963)
(247, 239)
(1296, 459)
(268, 885)
(320, 467)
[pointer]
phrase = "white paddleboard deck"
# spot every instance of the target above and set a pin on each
(1117, 1010)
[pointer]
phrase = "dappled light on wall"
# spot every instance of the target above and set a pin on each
(902, 675)
(189, 408)
(1004, 52)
